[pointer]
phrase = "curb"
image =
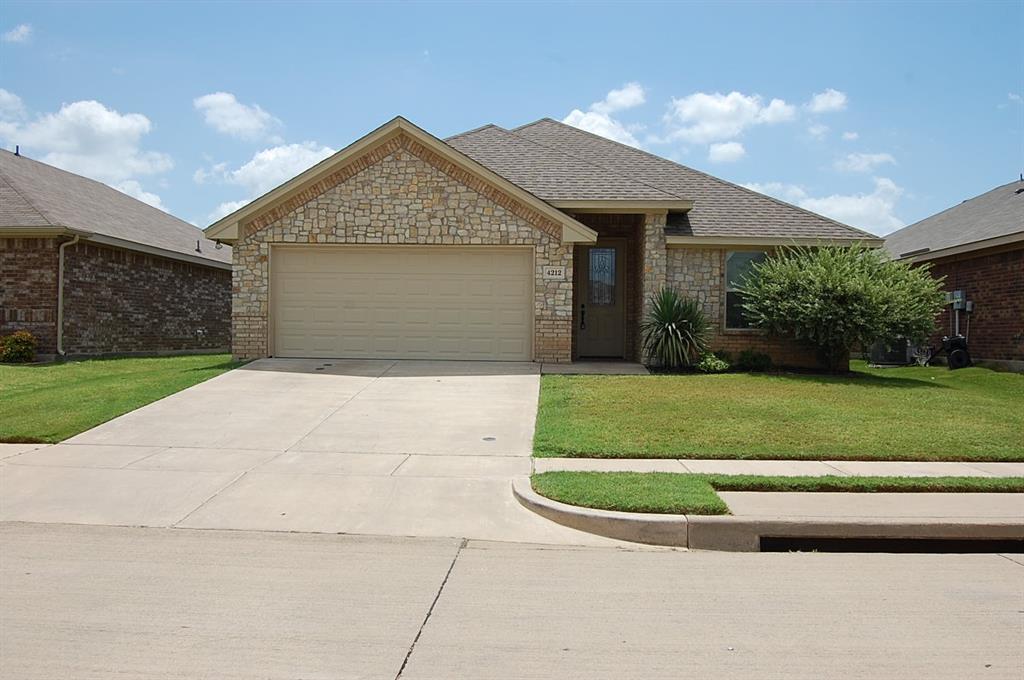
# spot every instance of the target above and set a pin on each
(636, 527)
(730, 533)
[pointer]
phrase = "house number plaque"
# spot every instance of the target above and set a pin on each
(557, 273)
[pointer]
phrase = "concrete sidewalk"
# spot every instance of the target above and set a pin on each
(111, 602)
(810, 468)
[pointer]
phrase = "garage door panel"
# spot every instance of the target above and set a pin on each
(403, 302)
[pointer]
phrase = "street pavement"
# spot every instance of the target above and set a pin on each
(119, 602)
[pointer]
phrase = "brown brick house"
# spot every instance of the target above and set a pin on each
(540, 243)
(91, 271)
(978, 245)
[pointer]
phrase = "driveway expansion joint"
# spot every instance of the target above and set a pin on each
(437, 596)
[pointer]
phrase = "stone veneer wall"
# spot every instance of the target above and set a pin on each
(653, 254)
(28, 289)
(402, 193)
(119, 301)
(700, 273)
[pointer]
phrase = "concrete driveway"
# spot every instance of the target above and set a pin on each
(404, 448)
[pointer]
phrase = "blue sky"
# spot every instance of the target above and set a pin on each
(876, 114)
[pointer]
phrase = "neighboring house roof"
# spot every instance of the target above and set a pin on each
(990, 219)
(721, 210)
(36, 197)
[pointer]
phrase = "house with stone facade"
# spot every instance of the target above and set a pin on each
(978, 247)
(91, 271)
(540, 243)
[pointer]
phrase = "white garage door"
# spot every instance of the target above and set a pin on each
(403, 302)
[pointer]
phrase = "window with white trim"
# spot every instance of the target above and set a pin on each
(738, 264)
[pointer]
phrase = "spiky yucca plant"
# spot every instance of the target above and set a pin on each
(675, 331)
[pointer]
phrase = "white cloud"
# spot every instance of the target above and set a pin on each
(225, 209)
(828, 101)
(702, 118)
(1014, 97)
(135, 190)
(863, 162)
(11, 106)
(598, 119)
(87, 138)
(225, 114)
(601, 124)
(268, 168)
(872, 211)
(264, 171)
(850, 136)
(627, 97)
(818, 131)
(21, 33)
(726, 152)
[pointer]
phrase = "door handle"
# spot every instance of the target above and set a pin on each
(583, 317)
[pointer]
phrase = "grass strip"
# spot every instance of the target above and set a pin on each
(51, 402)
(694, 494)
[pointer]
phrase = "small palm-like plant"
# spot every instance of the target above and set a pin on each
(675, 331)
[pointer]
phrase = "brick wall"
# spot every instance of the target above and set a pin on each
(121, 301)
(402, 193)
(994, 281)
(28, 289)
(699, 273)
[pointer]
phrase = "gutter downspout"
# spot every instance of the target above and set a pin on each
(60, 292)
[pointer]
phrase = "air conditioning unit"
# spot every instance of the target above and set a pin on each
(893, 352)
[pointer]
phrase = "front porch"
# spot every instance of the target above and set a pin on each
(609, 286)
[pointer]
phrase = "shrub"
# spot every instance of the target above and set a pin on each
(712, 363)
(18, 347)
(758, 362)
(839, 297)
(675, 332)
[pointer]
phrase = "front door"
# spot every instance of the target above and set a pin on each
(601, 312)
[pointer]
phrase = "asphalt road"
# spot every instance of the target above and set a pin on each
(110, 602)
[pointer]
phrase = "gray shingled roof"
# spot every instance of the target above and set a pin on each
(720, 208)
(996, 213)
(548, 173)
(34, 195)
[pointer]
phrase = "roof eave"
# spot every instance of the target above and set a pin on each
(678, 241)
(13, 231)
(226, 229)
(623, 206)
(923, 255)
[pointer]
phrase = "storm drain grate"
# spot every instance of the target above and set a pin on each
(891, 545)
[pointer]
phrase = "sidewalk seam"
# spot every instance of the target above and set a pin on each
(202, 505)
(341, 406)
(430, 611)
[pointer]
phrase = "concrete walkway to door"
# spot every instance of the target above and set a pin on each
(406, 448)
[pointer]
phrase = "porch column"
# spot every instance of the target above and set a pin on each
(655, 262)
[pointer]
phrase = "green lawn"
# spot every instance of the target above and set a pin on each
(873, 414)
(692, 494)
(51, 402)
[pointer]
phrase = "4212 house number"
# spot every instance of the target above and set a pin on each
(554, 272)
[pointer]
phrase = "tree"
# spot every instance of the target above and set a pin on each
(839, 297)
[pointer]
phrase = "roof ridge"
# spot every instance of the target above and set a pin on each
(592, 163)
(701, 172)
(476, 129)
(7, 180)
